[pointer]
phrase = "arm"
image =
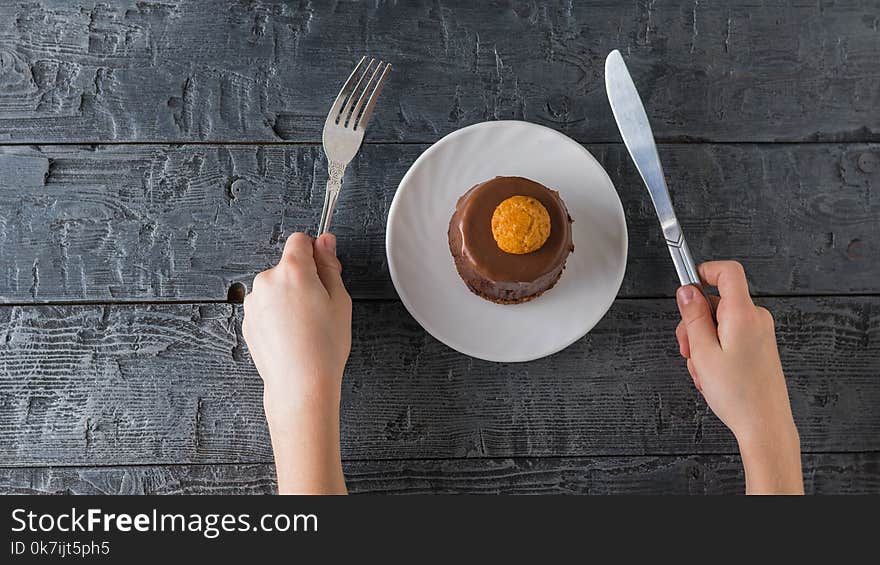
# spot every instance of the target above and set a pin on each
(736, 367)
(297, 325)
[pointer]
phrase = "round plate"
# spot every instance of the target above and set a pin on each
(424, 273)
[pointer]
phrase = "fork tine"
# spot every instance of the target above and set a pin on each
(364, 119)
(364, 95)
(345, 91)
(346, 110)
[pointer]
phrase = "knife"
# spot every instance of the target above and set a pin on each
(639, 140)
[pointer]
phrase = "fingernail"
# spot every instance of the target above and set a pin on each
(330, 243)
(686, 294)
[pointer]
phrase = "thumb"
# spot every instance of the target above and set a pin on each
(701, 332)
(329, 267)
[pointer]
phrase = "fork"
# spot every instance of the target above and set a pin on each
(345, 125)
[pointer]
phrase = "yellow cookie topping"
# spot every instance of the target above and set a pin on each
(520, 225)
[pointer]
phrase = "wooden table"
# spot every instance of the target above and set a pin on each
(155, 154)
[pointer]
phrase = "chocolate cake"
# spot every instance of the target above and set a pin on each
(510, 238)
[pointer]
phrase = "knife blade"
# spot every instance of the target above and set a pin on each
(629, 112)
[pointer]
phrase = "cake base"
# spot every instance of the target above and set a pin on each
(522, 300)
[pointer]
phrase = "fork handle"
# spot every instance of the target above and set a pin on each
(334, 185)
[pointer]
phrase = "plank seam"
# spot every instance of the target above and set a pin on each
(19, 304)
(660, 141)
(438, 459)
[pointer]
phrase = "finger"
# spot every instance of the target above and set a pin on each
(701, 332)
(260, 280)
(715, 301)
(247, 306)
(684, 347)
(729, 278)
(692, 369)
(329, 267)
(298, 250)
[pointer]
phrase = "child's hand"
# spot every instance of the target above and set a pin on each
(736, 366)
(297, 325)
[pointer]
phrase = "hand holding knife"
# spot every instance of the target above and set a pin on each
(639, 140)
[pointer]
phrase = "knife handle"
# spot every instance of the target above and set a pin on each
(685, 267)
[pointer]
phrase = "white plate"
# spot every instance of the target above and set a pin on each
(422, 268)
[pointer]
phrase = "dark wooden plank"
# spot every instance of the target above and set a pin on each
(133, 384)
(152, 222)
(839, 473)
(824, 473)
(266, 70)
(173, 480)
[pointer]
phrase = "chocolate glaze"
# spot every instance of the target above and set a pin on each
(492, 273)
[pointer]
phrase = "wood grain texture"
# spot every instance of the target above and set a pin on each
(148, 222)
(831, 473)
(185, 70)
(101, 385)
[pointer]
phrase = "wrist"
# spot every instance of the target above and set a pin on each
(772, 460)
(286, 409)
(767, 434)
(302, 423)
